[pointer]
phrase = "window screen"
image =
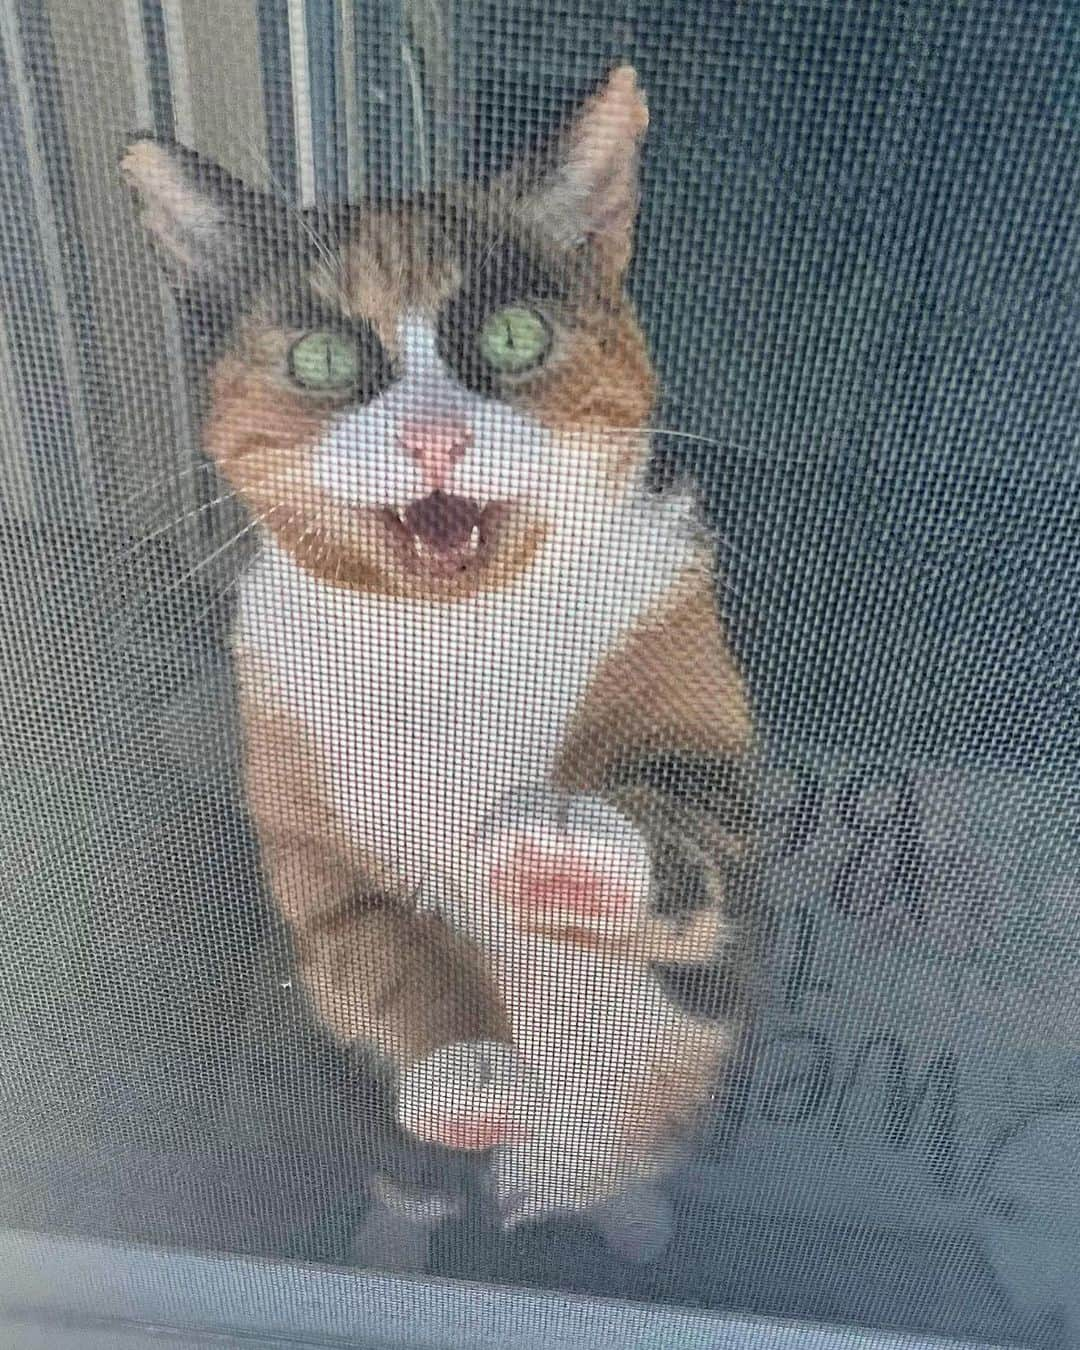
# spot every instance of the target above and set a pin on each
(855, 266)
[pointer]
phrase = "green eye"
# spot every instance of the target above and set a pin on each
(325, 361)
(513, 339)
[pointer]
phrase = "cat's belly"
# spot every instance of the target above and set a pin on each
(414, 771)
(598, 1025)
(422, 717)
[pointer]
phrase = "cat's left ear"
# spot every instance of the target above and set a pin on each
(588, 189)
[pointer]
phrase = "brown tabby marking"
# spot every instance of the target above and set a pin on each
(671, 687)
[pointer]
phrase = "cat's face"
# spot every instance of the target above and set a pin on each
(416, 400)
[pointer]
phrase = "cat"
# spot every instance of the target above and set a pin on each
(437, 413)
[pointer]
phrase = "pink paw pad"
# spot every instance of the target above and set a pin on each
(583, 866)
(475, 1133)
(533, 876)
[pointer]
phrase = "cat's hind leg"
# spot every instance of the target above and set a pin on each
(637, 1224)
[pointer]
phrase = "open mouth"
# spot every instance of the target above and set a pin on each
(443, 535)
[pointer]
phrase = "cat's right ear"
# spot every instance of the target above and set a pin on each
(203, 222)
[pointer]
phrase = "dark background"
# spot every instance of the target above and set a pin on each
(859, 265)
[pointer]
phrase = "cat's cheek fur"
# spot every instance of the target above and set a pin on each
(601, 396)
(261, 434)
(250, 411)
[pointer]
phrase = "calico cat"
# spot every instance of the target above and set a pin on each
(437, 413)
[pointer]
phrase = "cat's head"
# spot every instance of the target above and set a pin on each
(415, 399)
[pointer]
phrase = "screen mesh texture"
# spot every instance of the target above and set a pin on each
(464, 815)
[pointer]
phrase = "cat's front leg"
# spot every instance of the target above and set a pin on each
(545, 862)
(376, 970)
(546, 867)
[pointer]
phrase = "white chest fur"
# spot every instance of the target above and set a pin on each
(425, 714)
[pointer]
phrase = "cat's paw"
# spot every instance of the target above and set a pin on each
(394, 1234)
(637, 1224)
(468, 1095)
(555, 861)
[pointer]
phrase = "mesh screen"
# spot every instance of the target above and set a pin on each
(462, 815)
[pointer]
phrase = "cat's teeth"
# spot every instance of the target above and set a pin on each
(474, 538)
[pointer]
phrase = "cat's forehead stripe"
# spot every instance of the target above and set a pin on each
(414, 262)
(391, 263)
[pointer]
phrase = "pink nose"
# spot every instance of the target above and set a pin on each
(437, 444)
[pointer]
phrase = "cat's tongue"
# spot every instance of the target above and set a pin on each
(443, 522)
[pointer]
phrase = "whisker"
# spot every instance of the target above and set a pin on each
(203, 563)
(157, 484)
(204, 613)
(748, 607)
(128, 612)
(489, 255)
(298, 547)
(718, 443)
(722, 443)
(140, 543)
